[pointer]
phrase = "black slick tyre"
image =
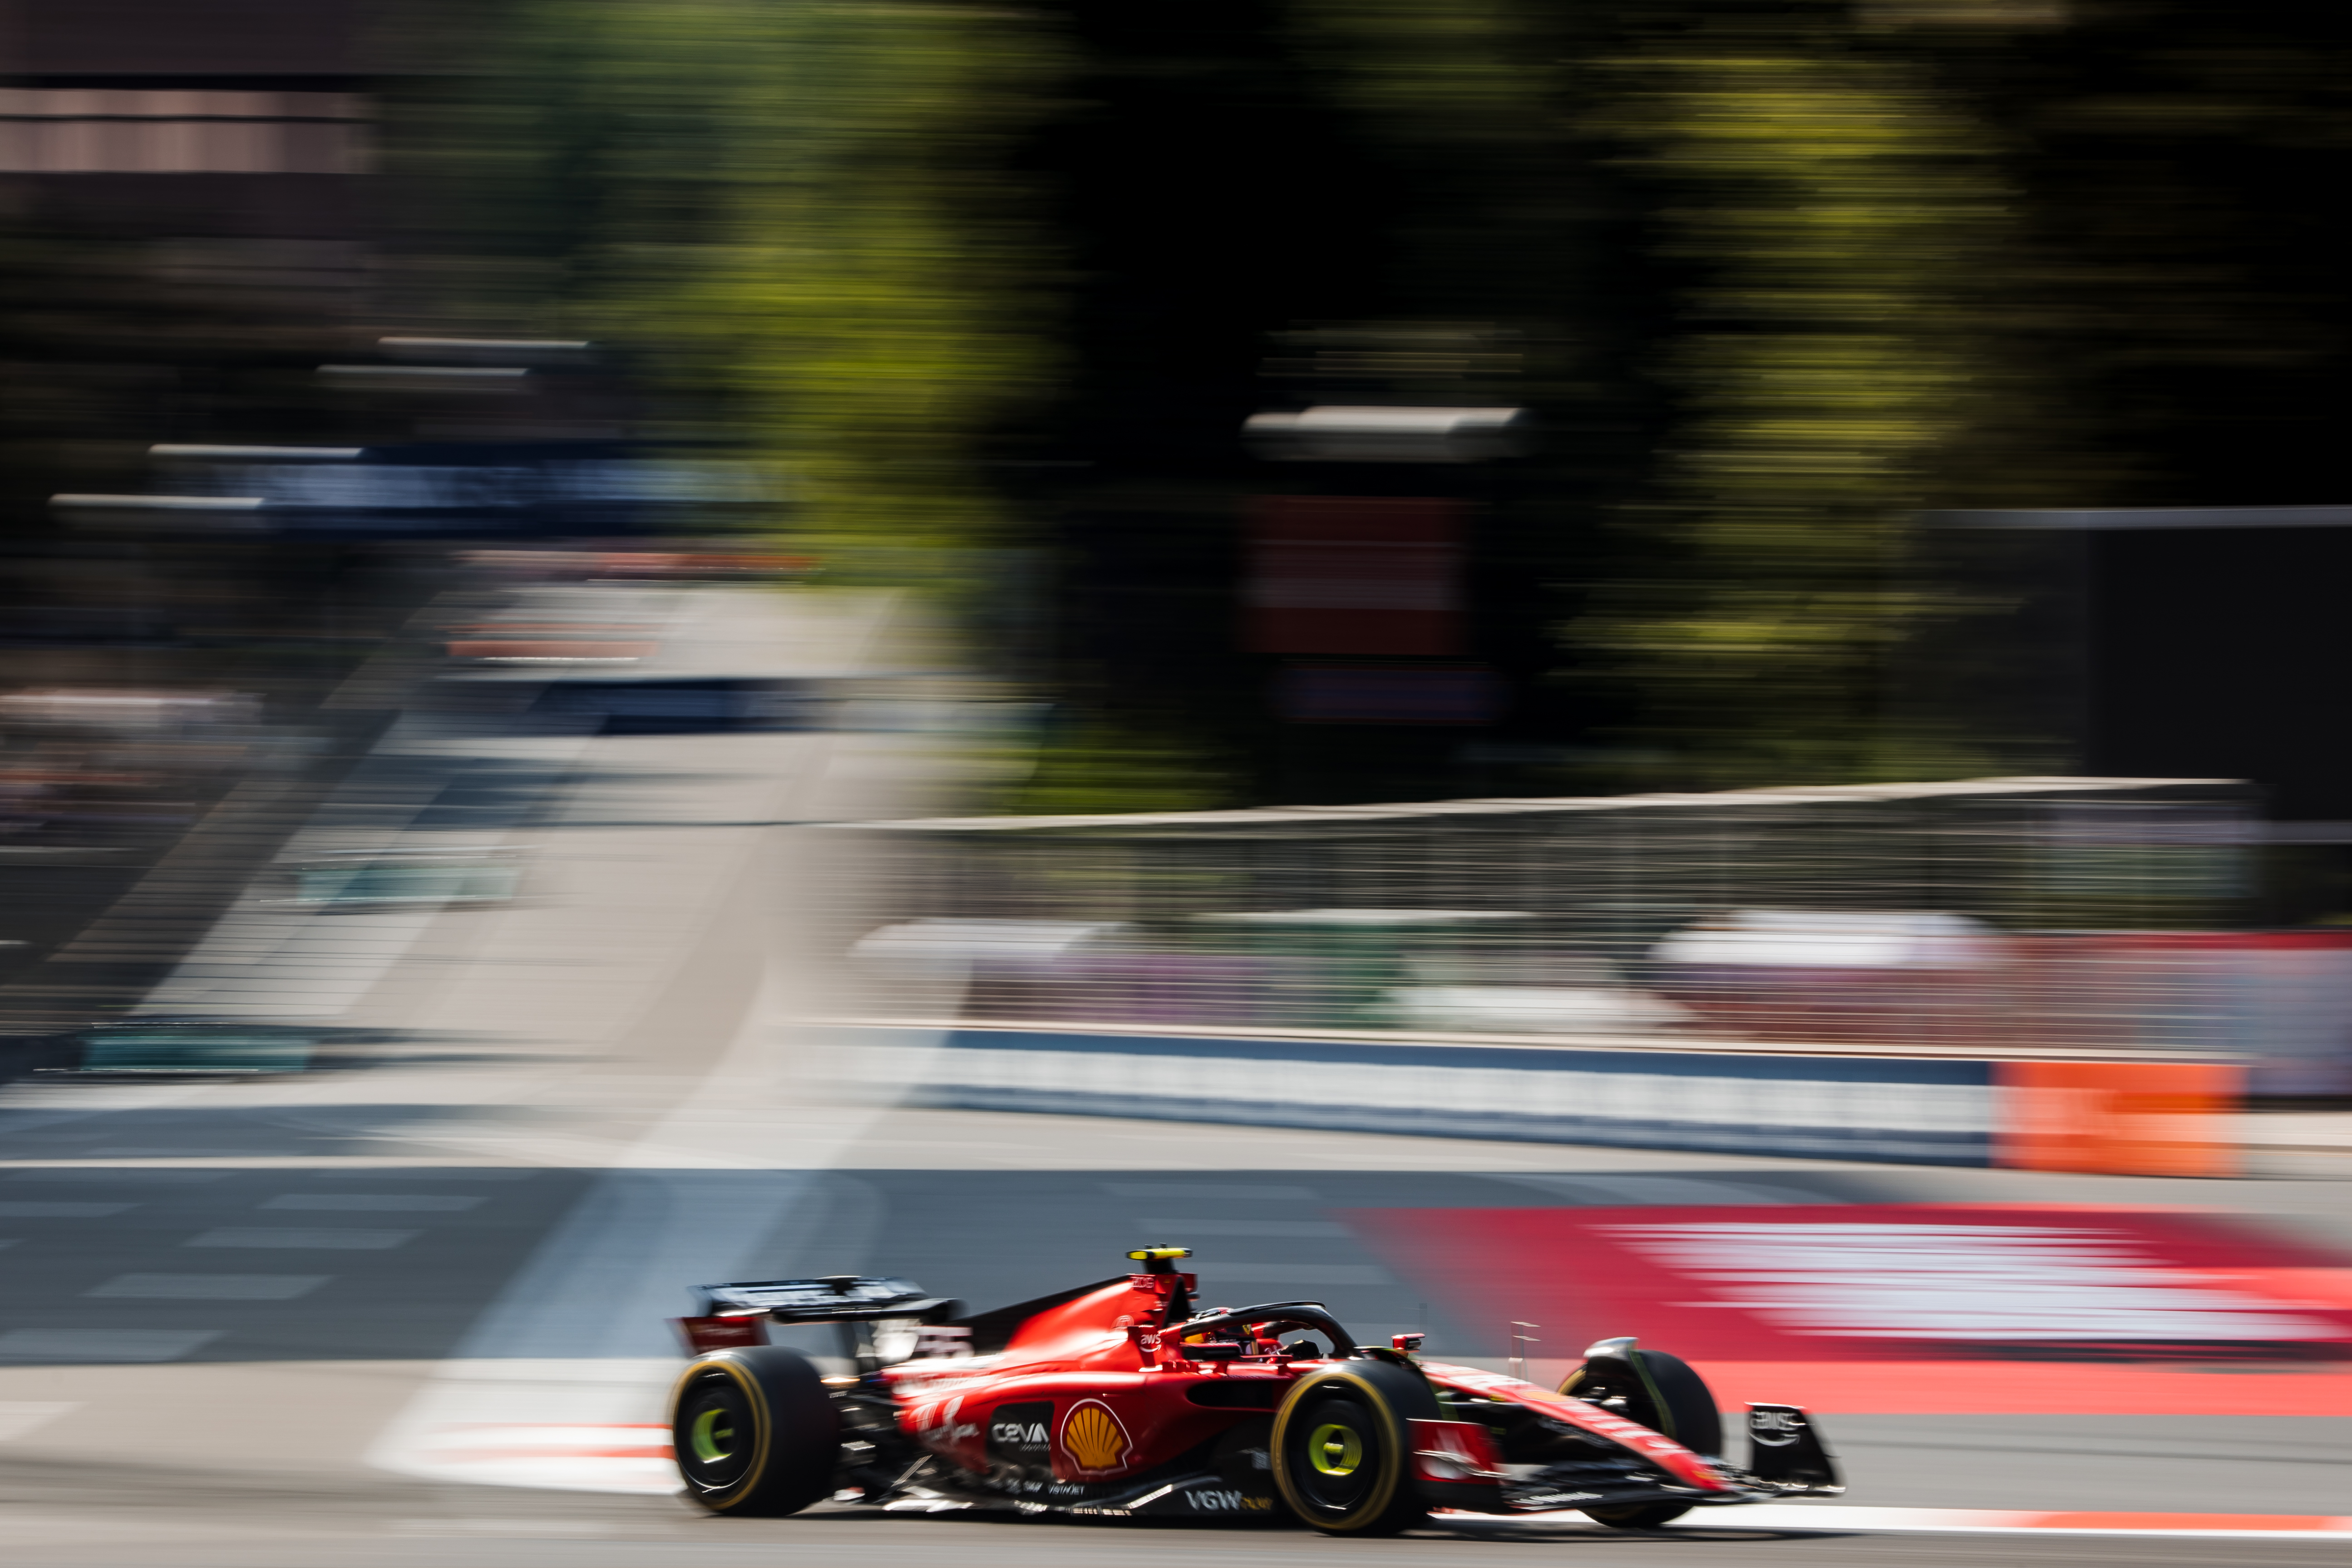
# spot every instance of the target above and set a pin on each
(1342, 1453)
(1663, 1392)
(754, 1431)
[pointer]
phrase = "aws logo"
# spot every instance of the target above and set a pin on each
(1093, 1439)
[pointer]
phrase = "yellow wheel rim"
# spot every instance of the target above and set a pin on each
(1334, 1449)
(711, 1441)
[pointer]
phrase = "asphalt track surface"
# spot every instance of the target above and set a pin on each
(233, 1320)
(252, 1446)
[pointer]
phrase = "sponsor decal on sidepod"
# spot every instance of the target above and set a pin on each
(1093, 1438)
(1017, 1434)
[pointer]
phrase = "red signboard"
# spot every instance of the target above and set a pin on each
(1353, 574)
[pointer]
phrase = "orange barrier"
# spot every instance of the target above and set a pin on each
(2153, 1119)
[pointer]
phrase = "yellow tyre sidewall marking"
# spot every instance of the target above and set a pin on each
(762, 1423)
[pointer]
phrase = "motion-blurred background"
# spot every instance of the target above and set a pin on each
(853, 636)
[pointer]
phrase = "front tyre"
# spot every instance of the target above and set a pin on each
(1663, 1392)
(1341, 1450)
(754, 1431)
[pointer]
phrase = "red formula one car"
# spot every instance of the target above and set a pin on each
(1119, 1399)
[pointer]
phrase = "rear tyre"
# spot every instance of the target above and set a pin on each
(1661, 1392)
(1340, 1449)
(754, 1432)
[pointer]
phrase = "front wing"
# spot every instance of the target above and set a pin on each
(1607, 1461)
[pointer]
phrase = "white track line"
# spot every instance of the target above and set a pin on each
(1839, 1517)
(614, 1457)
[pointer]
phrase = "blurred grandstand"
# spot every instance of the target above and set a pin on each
(2028, 917)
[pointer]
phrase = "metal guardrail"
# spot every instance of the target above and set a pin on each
(2019, 915)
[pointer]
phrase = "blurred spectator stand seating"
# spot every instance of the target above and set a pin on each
(1852, 976)
(1347, 966)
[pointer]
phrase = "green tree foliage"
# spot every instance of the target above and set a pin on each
(799, 213)
(1827, 223)
(1780, 275)
(1841, 221)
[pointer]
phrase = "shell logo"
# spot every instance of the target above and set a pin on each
(1093, 1438)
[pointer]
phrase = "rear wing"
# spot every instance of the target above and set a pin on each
(880, 1320)
(835, 1298)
